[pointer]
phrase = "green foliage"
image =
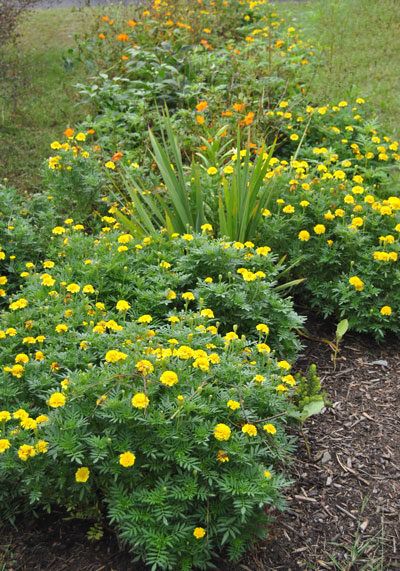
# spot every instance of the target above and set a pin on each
(309, 398)
(25, 224)
(73, 178)
(80, 367)
(241, 204)
(182, 207)
(186, 207)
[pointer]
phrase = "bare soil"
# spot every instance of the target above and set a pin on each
(344, 505)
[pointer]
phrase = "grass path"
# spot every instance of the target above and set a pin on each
(37, 98)
(359, 52)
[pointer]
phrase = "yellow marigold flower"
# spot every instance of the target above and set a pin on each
(357, 221)
(145, 319)
(127, 459)
(263, 250)
(228, 169)
(263, 327)
(233, 404)
(206, 228)
(263, 348)
(214, 358)
(207, 313)
(289, 380)
(47, 280)
(357, 283)
(26, 451)
(4, 416)
(188, 296)
(201, 363)
(17, 371)
(20, 414)
(78, 227)
(259, 378)
(386, 210)
(88, 289)
(140, 400)
(304, 236)
(267, 474)
(58, 230)
(187, 237)
(42, 446)
(222, 432)
(110, 165)
(199, 532)
(73, 288)
(169, 378)
(222, 456)
(270, 428)
(144, 366)
(57, 399)
(82, 474)
(62, 328)
(21, 358)
(230, 336)
(184, 352)
(80, 137)
(18, 304)
(41, 419)
(266, 212)
(281, 388)
(4, 445)
(249, 276)
(123, 306)
(386, 310)
(28, 423)
(125, 238)
(113, 356)
(173, 319)
(319, 229)
(249, 429)
(212, 170)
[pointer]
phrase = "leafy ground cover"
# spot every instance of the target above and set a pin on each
(148, 339)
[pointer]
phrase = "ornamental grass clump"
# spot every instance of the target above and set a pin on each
(174, 426)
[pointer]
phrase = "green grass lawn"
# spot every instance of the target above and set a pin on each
(37, 98)
(357, 43)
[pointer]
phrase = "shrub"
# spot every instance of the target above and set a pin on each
(25, 224)
(118, 393)
(340, 230)
(72, 176)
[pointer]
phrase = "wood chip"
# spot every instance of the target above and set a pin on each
(306, 499)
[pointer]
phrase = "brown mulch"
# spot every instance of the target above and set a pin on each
(345, 503)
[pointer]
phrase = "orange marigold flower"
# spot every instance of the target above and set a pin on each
(201, 106)
(117, 156)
